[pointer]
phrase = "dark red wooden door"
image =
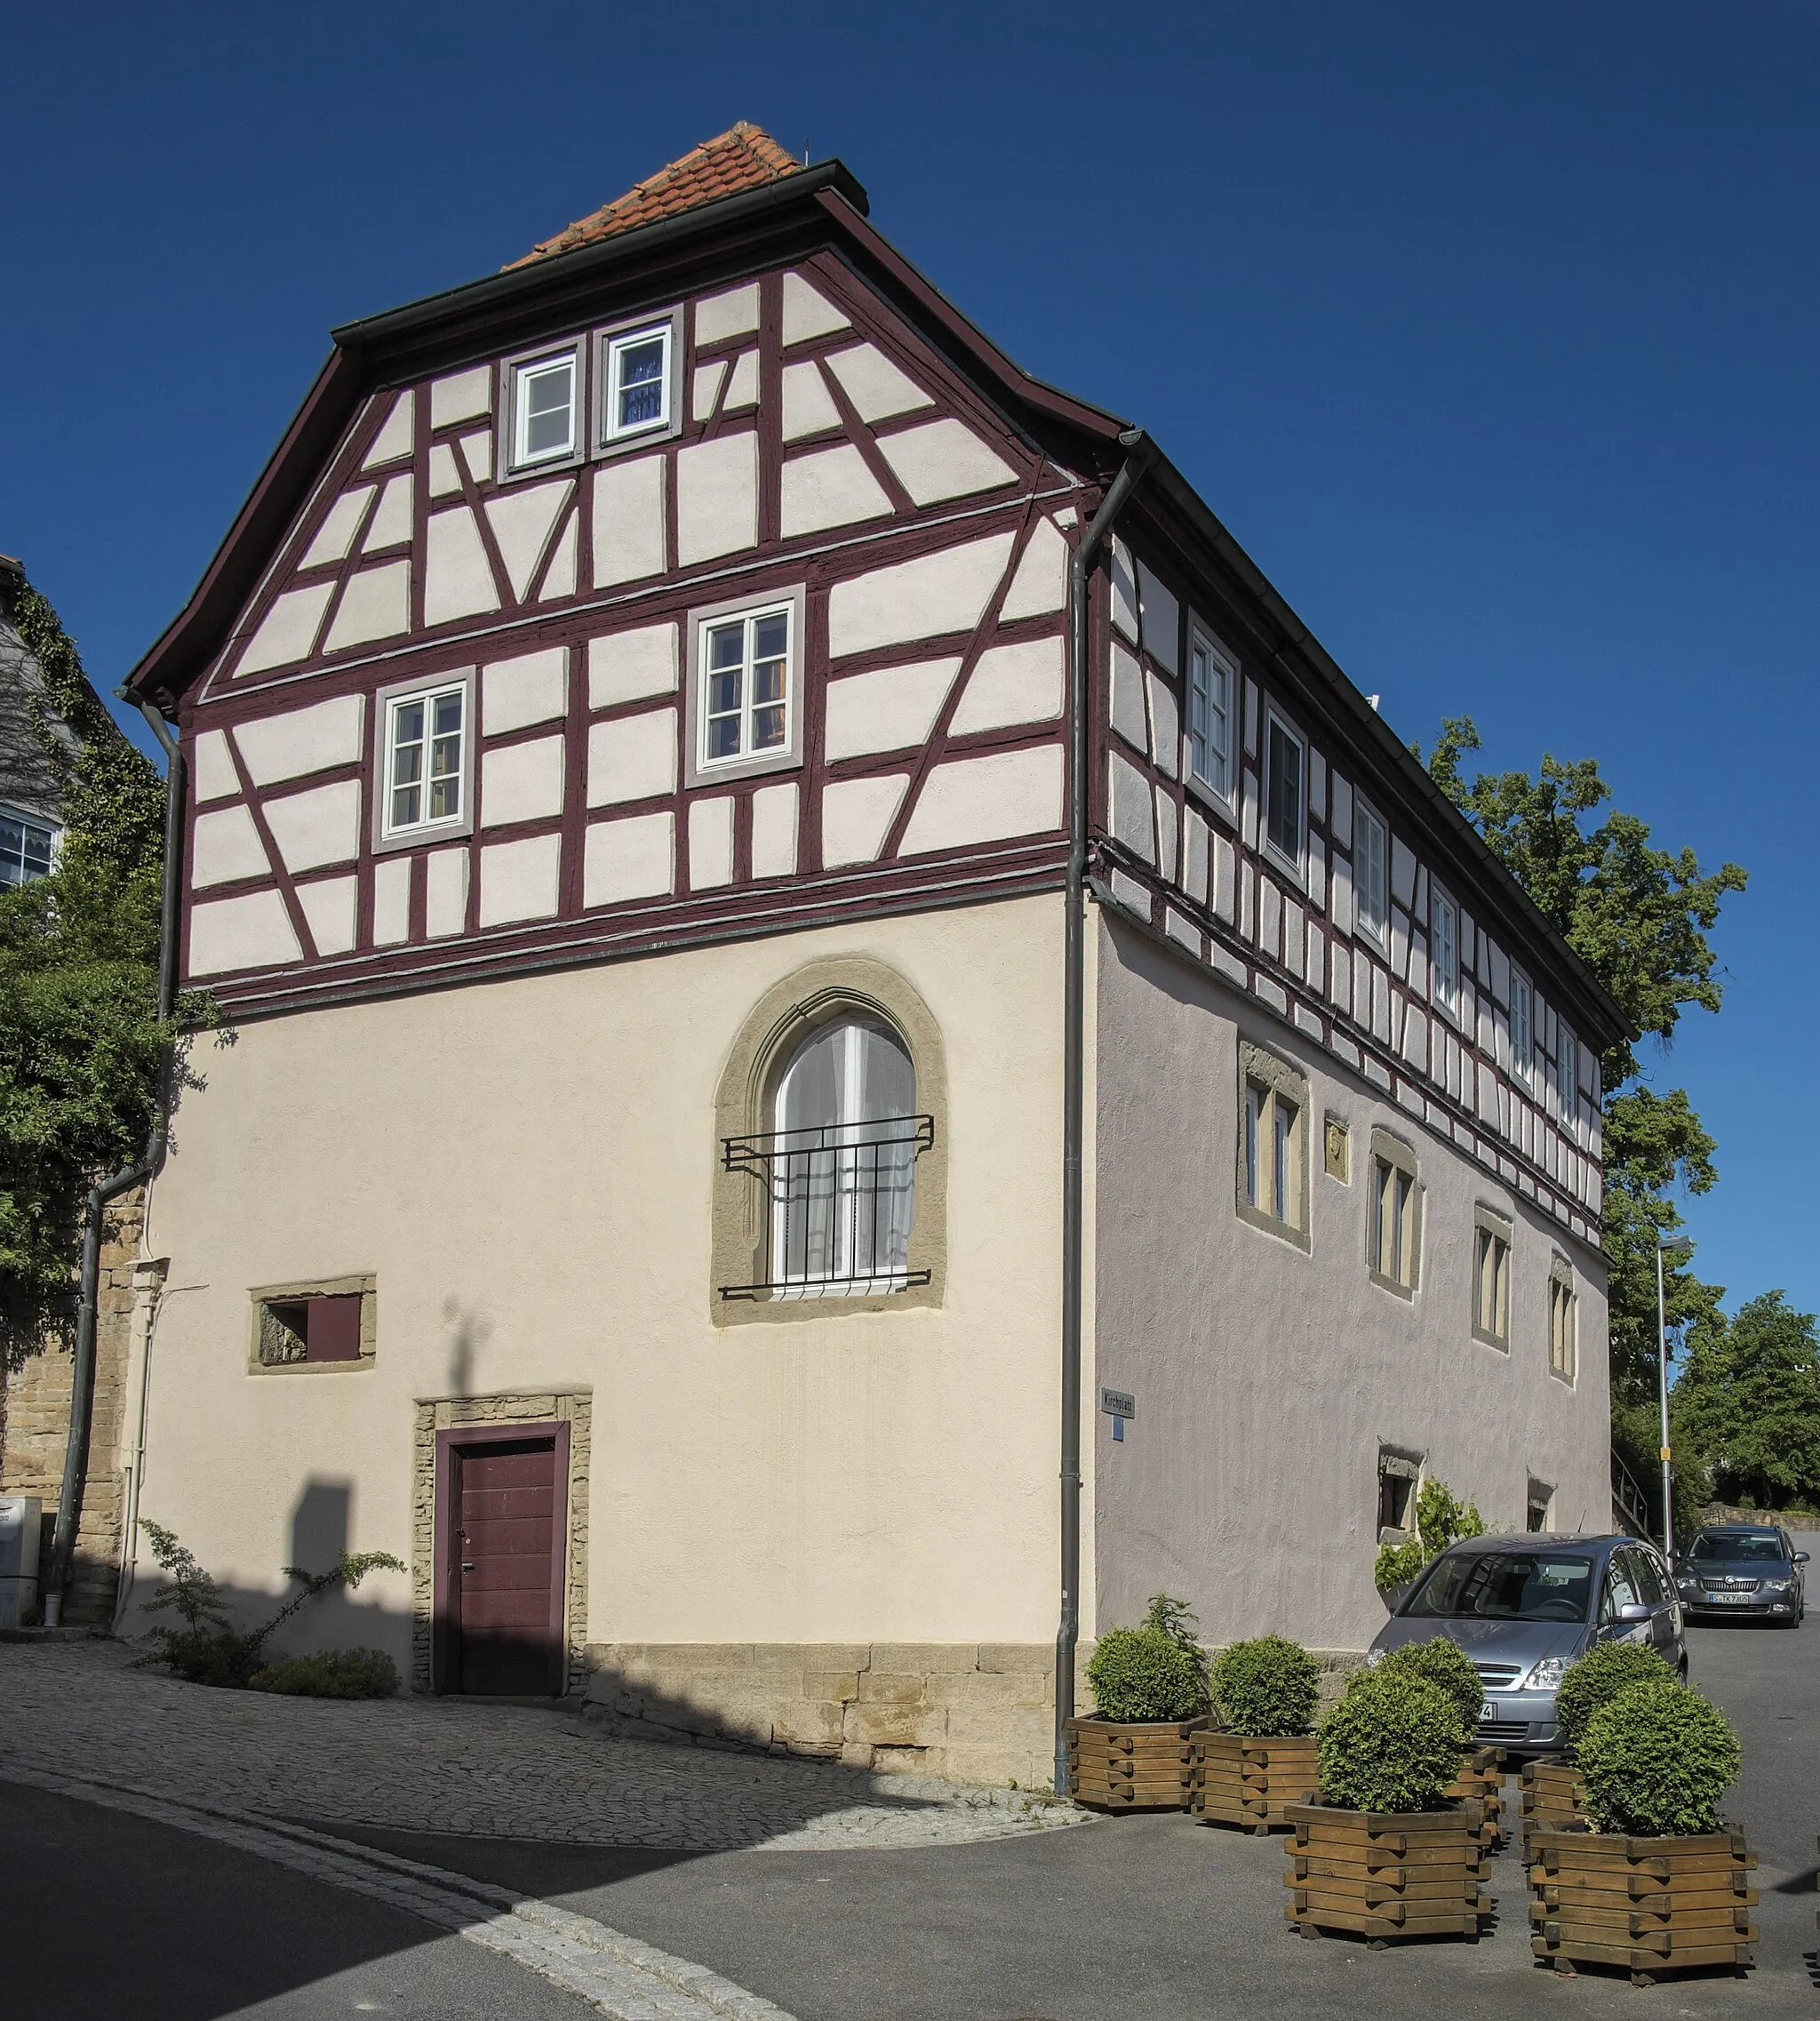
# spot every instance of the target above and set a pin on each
(507, 1579)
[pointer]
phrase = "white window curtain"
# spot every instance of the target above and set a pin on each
(843, 1175)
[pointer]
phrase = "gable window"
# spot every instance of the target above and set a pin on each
(1273, 1145)
(1210, 675)
(1444, 925)
(26, 849)
(1372, 874)
(1523, 1028)
(1564, 1323)
(1491, 1279)
(744, 698)
(1283, 786)
(1395, 1212)
(545, 399)
(637, 382)
(424, 789)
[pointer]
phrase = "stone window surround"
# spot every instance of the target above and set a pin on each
(1255, 1064)
(262, 1295)
(1401, 1155)
(1407, 1464)
(1492, 1221)
(822, 990)
(533, 1411)
(1561, 1271)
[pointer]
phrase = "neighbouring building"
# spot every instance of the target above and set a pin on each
(629, 800)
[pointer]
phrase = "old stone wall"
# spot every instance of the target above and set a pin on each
(35, 1429)
(979, 1713)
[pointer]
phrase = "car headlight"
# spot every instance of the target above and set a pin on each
(1373, 1657)
(1547, 1674)
(1777, 1586)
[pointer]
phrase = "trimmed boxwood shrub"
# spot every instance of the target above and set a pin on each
(331, 1673)
(1392, 1743)
(1269, 1686)
(1605, 1670)
(1656, 1759)
(1154, 1672)
(1446, 1665)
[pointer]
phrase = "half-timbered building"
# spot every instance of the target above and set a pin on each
(632, 756)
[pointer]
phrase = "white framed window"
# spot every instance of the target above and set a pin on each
(28, 848)
(1523, 1028)
(1564, 1323)
(1444, 950)
(426, 785)
(745, 691)
(1273, 1145)
(1491, 1279)
(543, 401)
(1567, 1077)
(1370, 874)
(1395, 1215)
(1285, 794)
(635, 382)
(1212, 681)
(843, 1170)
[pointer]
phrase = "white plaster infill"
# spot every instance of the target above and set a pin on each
(615, 1974)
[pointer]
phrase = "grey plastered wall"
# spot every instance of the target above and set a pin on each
(1266, 1377)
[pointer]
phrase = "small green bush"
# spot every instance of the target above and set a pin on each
(1155, 1672)
(1392, 1743)
(1605, 1670)
(1657, 1758)
(1445, 1664)
(1442, 1519)
(1398, 1564)
(1269, 1686)
(331, 1673)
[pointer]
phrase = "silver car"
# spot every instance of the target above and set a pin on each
(1524, 1608)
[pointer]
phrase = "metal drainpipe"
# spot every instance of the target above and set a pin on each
(1141, 452)
(82, 1391)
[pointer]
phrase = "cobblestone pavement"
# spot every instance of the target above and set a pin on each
(441, 1766)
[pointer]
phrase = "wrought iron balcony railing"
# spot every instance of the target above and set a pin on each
(838, 1200)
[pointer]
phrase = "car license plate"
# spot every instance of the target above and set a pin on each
(1730, 1599)
(1487, 1714)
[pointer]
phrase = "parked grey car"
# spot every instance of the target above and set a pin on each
(1524, 1608)
(1748, 1570)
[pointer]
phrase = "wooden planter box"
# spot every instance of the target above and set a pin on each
(1384, 1876)
(1482, 1780)
(1653, 1905)
(1239, 1778)
(1143, 1765)
(1553, 1799)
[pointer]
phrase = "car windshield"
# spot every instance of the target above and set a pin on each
(1505, 1585)
(1710, 1546)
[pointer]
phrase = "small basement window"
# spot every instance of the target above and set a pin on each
(331, 1325)
(1397, 1474)
(1541, 1507)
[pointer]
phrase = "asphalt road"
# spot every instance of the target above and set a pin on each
(1160, 1919)
(107, 1917)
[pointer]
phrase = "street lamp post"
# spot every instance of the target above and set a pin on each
(1679, 1247)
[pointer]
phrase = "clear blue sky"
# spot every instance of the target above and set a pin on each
(1490, 331)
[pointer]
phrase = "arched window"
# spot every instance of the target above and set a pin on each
(843, 1163)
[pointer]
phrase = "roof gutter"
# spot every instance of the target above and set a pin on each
(81, 1392)
(1140, 454)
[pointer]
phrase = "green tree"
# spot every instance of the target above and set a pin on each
(1748, 1403)
(1638, 917)
(81, 1045)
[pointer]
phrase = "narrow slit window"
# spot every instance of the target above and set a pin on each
(745, 700)
(425, 735)
(544, 410)
(1209, 717)
(1523, 1028)
(1491, 1286)
(1445, 923)
(1371, 875)
(1283, 789)
(1567, 1068)
(1272, 1154)
(1564, 1320)
(1394, 1230)
(638, 399)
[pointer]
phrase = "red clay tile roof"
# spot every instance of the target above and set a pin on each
(743, 157)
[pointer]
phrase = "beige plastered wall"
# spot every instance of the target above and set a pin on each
(1266, 1377)
(526, 1169)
